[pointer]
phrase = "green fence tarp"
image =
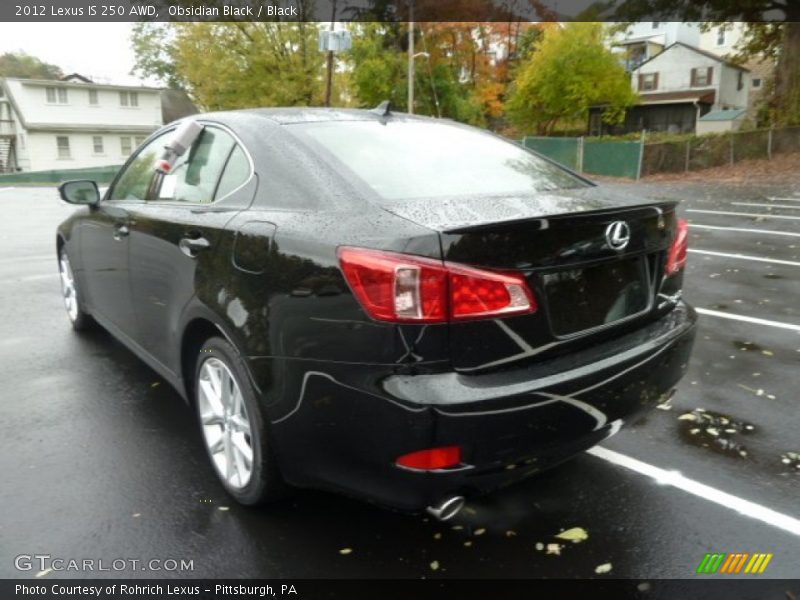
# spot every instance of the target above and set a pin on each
(562, 150)
(102, 175)
(616, 159)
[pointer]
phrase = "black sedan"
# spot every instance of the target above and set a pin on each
(403, 309)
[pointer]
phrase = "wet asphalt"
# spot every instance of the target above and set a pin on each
(101, 459)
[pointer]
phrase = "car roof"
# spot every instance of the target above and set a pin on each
(288, 116)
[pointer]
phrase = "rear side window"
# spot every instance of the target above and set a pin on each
(236, 172)
(403, 160)
(195, 175)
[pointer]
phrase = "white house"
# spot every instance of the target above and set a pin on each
(644, 40)
(677, 87)
(724, 41)
(73, 123)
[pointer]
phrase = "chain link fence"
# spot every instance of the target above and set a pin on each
(703, 152)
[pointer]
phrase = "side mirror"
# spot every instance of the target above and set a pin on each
(81, 191)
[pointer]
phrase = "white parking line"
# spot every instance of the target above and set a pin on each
(746, 319)
(701, 490)
(775, 261)
(694, 225)
(783, 199)
(766, 205)
(741, 214)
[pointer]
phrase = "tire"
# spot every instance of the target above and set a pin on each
(233, 426)
(73, 300)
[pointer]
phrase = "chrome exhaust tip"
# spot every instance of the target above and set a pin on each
(447, 508)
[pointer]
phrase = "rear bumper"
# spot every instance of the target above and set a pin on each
(348, 424)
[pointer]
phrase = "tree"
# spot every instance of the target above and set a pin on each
(235, 65)
(154, 54)
(25, 66)
(570, 70)
(779, 39)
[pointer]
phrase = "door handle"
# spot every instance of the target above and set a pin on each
(191, 246)
(120, 231)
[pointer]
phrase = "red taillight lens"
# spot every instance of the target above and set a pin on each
(432, 458)
(403, 288)
(676, 259)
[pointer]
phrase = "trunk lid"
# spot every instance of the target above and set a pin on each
(590, 284)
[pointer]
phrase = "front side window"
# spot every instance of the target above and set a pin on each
(97, 144)
(135, 180)
(62, 143)
(195, 175)
(125, 147)
(403, 160)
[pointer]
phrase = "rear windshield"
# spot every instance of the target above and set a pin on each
(415, 159)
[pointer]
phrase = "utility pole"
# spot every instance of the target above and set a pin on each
(411, 57)
(329, 75)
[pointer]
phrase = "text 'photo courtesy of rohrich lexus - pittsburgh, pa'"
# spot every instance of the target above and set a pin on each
(401, 309)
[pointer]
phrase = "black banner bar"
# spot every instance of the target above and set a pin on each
(389, 10)
(730, 588)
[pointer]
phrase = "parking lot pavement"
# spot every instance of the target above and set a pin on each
(101, 459)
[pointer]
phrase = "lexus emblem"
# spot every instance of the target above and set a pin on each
(618, 234)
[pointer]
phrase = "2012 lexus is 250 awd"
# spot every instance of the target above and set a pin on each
(398, 308)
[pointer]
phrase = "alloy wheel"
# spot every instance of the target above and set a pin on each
(225, 422)
(68, 289)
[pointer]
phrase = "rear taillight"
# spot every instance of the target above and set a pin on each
(676, 259)
(404, 288)
(432, 459)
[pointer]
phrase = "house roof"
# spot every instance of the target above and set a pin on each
(76, 76)
(697, 50)
(724, 115)
(80, 84)
(706, 96)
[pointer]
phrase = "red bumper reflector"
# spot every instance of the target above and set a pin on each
(432, 458)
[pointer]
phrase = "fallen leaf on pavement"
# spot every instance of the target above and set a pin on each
(575, 535)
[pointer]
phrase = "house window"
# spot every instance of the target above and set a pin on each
(97, 144)
(93, 97)
(139, 140)
(648, 82)
(740, 81)
(702, 76)
(62, 143)
(129, 99)
(756, 83)
(125, 145)
(56, 95)
(721, 34)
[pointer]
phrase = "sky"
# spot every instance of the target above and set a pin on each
(100, 51)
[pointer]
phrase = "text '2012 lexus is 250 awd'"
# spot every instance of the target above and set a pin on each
(398, 308)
